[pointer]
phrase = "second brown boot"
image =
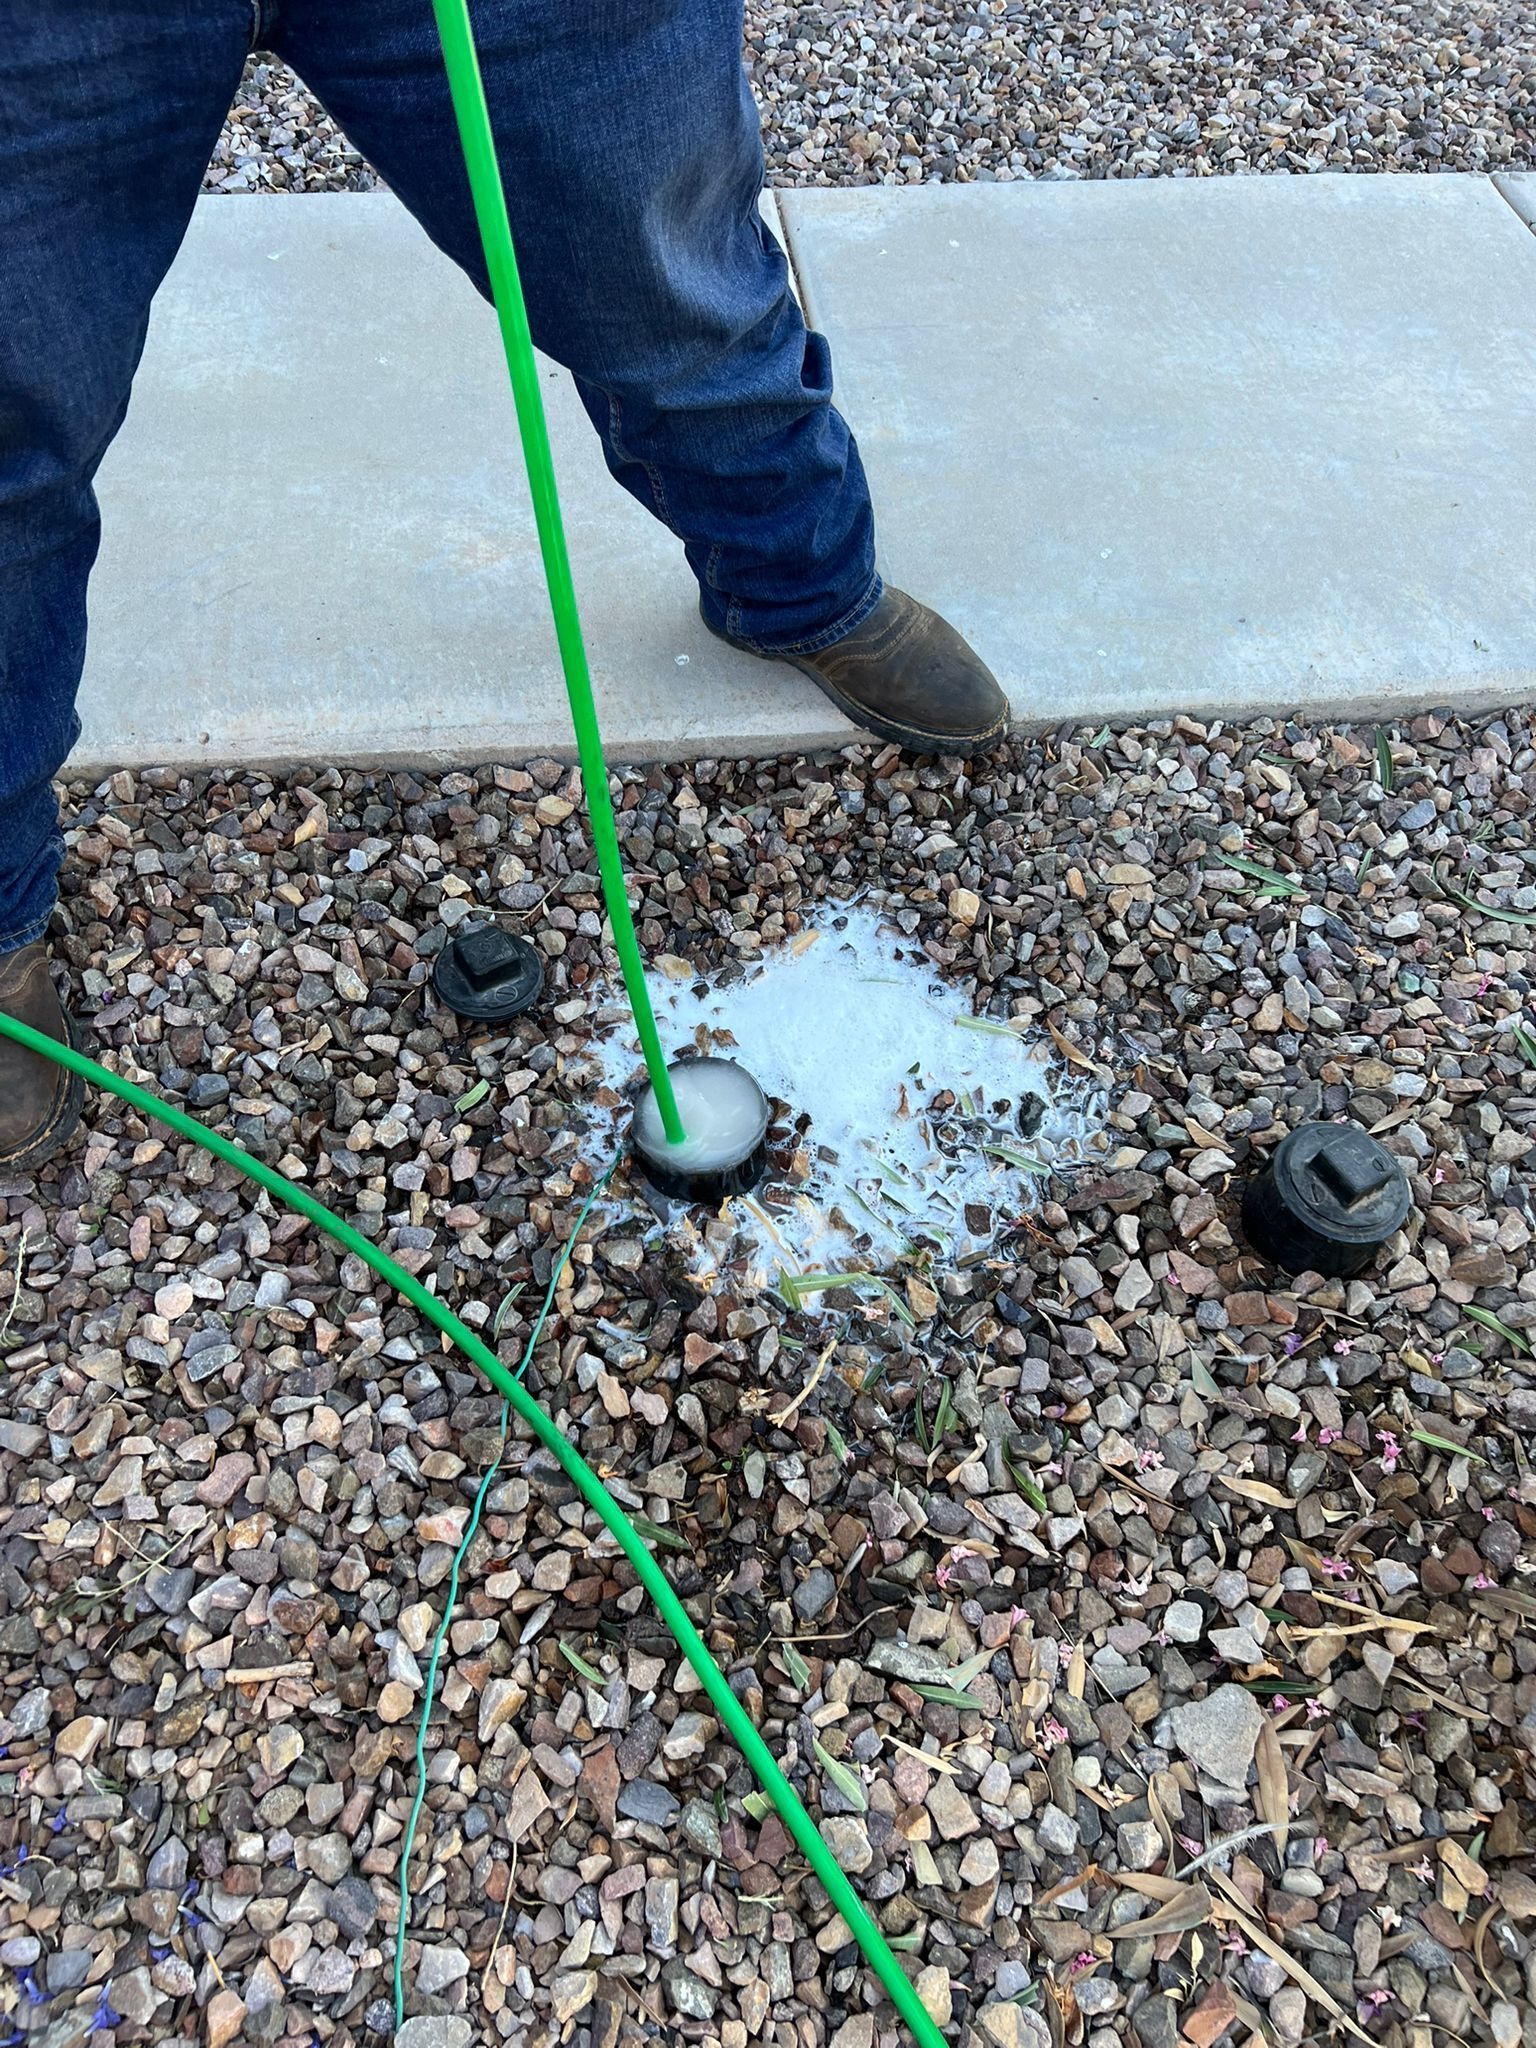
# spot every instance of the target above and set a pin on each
(40, 1103)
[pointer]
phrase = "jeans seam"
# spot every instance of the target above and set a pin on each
(261, 27)
(813, 643)
(652, 473)
(25, 935)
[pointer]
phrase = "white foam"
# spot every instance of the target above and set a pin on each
(724, 1116)
(850, 1025)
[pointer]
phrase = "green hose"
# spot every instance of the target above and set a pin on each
(484, 172)
(732, 1714)
(402, 1918)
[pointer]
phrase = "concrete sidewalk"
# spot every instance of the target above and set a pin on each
(1230, 445)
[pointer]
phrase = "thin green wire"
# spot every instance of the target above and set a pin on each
(459, 1555)
(733, 1716)
(484, 172)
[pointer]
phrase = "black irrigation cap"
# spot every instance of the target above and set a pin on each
(488, 975)
(725, 1117)
(1327, 1201)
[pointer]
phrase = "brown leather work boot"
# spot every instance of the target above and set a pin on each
(40, 1103)
(906, 675)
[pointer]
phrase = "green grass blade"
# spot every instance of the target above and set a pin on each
(795, 1665)
(948, 1696)
(797, 1288)
(1445, 1443)
(579, 1663)
(1026, 1162)
(1026, 1486)
(1492, 910)
(1490, 1321)
(1282, 885)
(849, 1783)
(504, 1308)
(988, 1025)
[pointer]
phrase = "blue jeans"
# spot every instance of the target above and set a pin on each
(633, 162)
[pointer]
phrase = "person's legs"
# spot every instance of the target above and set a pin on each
(632, 160)
(109, 110)
(108, 114)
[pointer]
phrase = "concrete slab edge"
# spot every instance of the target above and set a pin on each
(437, 751)
(1519, 188)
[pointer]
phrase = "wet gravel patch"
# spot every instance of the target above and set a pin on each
(898, 93)
(1149, 1633)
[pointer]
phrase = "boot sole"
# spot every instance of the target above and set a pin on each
(60, 1127)
(962, 744)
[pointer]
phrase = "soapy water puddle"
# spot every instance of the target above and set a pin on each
(906, 1127)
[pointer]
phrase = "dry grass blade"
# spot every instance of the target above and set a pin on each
(1490, 1914)
(1192, 1907)
(1284, 1958)
(1077, 1673)
(785, 1414)
(1159, 1814)
(1274, 1801)
(1442, 1699)
(1149, 1884)
(1068, 1884)
(1256, 1489)
(9, 1317)
(1066, 1048)
(1509, 1600)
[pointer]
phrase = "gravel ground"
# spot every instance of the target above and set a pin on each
(906, 93)
(1220, 1586)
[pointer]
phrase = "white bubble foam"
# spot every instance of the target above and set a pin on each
(850, 1025)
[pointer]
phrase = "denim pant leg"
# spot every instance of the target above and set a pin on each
(632, 157)
(109, 110)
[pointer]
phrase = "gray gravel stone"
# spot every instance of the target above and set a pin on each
(1219, 1733)
(436, 2030)
(645, 1800)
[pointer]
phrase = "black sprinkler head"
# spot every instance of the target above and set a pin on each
(1327, 1202)
(725, 1116)
(488, 975)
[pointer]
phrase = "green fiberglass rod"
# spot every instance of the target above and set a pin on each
(733, 1715)
(479, 146)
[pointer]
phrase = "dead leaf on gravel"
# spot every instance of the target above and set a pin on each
(1284, 1958)
(1066, 1048)
(1192, 1906)
(1077, 1674)
(1274, 1800)
(1256, 1489)
(1149, 1884)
